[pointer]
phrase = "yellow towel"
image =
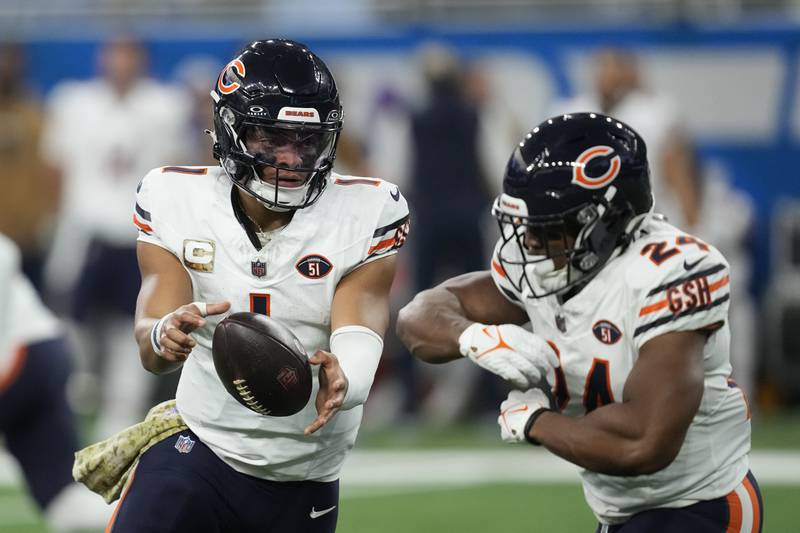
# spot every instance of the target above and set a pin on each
(104, 467)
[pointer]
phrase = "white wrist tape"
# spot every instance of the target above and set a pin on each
(359, 351)
(155, 335)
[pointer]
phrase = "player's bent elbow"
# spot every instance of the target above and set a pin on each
(411, 331)
(408, 322)
(645, 458)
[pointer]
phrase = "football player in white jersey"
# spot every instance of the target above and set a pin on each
(36, 423)
(272, 230)
(626, 370)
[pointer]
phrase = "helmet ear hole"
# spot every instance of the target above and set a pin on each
(587, 214)
(228, 117)
(231, 167)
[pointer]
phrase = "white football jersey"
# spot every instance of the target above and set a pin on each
(23, 317)
(105, 142)
(665, 281)
(189, 211)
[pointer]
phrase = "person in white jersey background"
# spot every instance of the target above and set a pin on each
(102, 135)
(626, 370)
(37, 425)
(272, 230)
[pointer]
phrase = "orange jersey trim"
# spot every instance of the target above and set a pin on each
(381, 245)
(14, 370)
(141, 225)
(653, 307)
(719, 283)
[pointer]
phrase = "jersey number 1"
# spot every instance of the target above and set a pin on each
(259, 303)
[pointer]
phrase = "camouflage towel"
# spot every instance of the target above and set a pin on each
(105, 467)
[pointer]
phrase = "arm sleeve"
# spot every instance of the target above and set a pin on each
(145, 211)
(692, 293)
(359, 351)
(393, 225)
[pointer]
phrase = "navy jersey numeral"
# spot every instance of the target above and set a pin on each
(597, 391)
(259, 303)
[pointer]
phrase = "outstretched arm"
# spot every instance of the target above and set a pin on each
(359, 316)
(432, 322)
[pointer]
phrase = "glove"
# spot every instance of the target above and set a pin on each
(519, 411)
(513, 353)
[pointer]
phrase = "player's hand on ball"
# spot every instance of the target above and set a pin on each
(511, 352)
(332, 389)
(174, 339)
(517, 409)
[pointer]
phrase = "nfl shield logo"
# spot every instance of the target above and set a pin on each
(258, 268)
(184, 444)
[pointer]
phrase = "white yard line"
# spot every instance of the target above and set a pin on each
(522, 465)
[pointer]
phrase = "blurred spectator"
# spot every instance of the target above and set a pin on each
(447, 185)
(104, 134)
(196, 75)
(448, 193)
(36, 422)
(710, 208)
(31, 190)
(618, 91)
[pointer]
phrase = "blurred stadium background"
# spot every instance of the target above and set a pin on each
(722, 73)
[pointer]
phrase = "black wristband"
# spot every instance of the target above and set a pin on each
(529, 424)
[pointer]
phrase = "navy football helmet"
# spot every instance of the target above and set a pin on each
(575, 191)
(277, 95)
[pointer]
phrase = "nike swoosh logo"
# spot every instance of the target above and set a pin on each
(316, 514)
(395, 193)
(689, 266)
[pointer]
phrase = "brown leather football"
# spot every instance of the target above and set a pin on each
(262, 364)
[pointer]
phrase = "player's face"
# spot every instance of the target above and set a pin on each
(551, 242)
(287, 149)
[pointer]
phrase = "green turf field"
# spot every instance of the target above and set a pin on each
(498, 507)
(508, 508)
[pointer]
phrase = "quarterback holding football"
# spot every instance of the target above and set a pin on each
(271, 230)
(624, 370)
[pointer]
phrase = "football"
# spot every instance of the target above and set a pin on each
(262, 364)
